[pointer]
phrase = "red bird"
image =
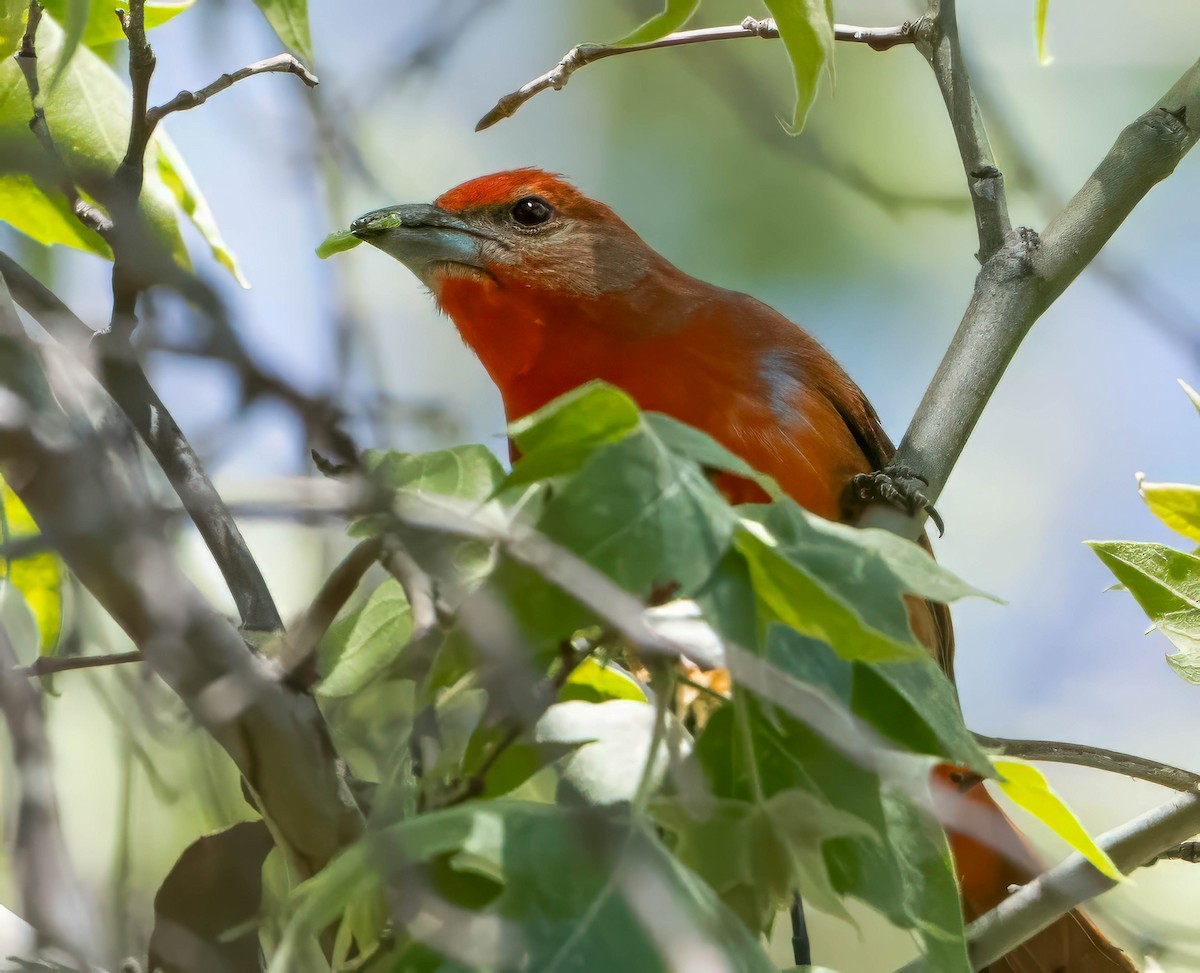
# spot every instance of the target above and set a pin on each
(551, 290)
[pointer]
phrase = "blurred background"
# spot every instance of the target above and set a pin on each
(860, 229)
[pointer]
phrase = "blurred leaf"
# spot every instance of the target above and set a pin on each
(674, 15)
(707, 452)
(39, 577)
(1039, 28)
(467, 472)
(88, 115)
(74, 23)
(559, 437)
(101, 25)
(364, 643)
(1176, 504)
(336, 243)
(44, 216)
(1191, 393)
(214, 887)
(183, 187)
(806, 27)
(12, 26)
(1028, 788)
(594, 682)
(289, 20)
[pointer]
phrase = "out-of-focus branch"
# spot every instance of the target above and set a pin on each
(88, 510)
(124, 379)
(877, 38)
(279, 64)
(937, 40)
(1035, 906)
(1021, 280)
(1095, 757)
(47, 665)
(53, 898)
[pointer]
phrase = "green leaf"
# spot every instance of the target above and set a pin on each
(675, 14)
(101, 25)
(806, 27)
(466, 472)
(88, 115)
(594, 682)
(366, 642)
(1039, 29)
(1176, 504)
(40, 577)
(336, 243)
(641, 515)
(701, 448)
(289, 20)
(1191, 393)
(183, 187)
(74, 22)
(1026, 787)
(559, 437)
(44, 215)
(12, 26)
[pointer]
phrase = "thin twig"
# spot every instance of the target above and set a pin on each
(937, 40)
(1034, 906)
(878, 38)
(47, 665)
(417, 584)
(1095, 757)
(279, 64)
(1016, 286)
(54, 900)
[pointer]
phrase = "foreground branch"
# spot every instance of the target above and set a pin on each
(878, 38)
(1095, 757)
(1026, 276)
(1035, 906)
(279, 64)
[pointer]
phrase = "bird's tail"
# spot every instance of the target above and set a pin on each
(991, 857)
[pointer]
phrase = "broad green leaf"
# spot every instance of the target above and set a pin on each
(1026, 787)
(365, 643)
(289, 20)
(74, 20)
(675, 14)
(88, 115)
(559, 437)
(594, 682)
(1176, 504)
(183, 186)
(44, 216)
(701, 448)
(39, 577)
(466, 472)
(337, 243)
(806, 27)
(1039, 27)
(101, 24)
(911, 703)
(12, 26)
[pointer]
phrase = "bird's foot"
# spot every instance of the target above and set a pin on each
(896, 485)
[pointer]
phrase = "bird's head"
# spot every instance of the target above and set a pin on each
(522, 228)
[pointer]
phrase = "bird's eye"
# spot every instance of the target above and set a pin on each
(532, 211)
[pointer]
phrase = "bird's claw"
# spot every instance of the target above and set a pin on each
(895, 485)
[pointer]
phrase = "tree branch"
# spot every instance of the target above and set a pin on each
(124, 380)
(1095, 757)
(937, 40)
(1021, 280)
(53, 898)
(878, 38)
(48, 665)
(279, 64)
(1035, 906)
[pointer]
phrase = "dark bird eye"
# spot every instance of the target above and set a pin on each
(531, 211)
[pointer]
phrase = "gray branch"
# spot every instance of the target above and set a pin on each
(1037, 905)
(1021, 280)
(279, 64)
(1095, 757)
(878, 38)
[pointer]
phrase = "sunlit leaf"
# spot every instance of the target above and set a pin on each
(364, 643)
(1039, 27)
(806, 27)
(675, 14)
(12, 26)
(101, 24)
(39, 577)
(1176, 504)
(1026, 787)
(289, 20)
(594, 682)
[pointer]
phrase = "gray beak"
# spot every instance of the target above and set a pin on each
(420, 236)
